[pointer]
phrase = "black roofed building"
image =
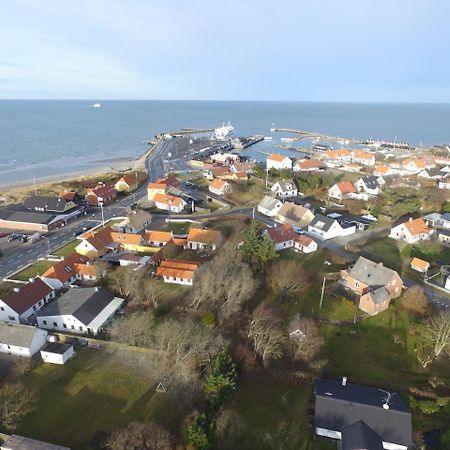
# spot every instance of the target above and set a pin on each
(370, 184)
(360, 417)
(47, 203)
(81, 310)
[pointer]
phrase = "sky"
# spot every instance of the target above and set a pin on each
(295, 50)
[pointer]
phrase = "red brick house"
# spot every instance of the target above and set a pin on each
(103, 193)
(375, 284)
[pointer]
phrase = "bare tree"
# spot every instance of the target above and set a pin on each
(125, 280)
(186, 340)
(230, 426)
(304, 338)
(436, 333)
(415, 300)
(224, 283)
(287, 277)
(100, 268)
(137, 436)
(146, 292)
(132, 330)
(21, 366)
(423, 351)
(265, 334)
(15, 403)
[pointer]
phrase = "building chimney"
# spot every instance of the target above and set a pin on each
(410, 219)
(96, 288)
(16, 289)
(344, 381)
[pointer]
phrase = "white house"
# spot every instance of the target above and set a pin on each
(282, 235)
(433, 173)
(177, 271)
(363, 158)
(203, 239)
(325, 227)
(57, 353)
(169, 203)
(276, 161)
(269, 206)
(444, 183)
(412, 230)
(81, 310)
(382, 171)
(341, 190)
(305, 244)
(21, 340)
(284, 189)
(370, 185)
(25, 300)
(219, 187)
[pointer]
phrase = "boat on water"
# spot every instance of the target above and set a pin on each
(223, 133)
(97, 105)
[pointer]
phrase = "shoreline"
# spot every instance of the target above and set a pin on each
(118, 166)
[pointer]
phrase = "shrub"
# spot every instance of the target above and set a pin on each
(198, 433)
(428, 406)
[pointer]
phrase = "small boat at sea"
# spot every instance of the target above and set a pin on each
(97, 105)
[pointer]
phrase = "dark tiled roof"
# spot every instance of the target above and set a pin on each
(359, 436)
(46, 203)
(371, 273)
(371, 182)
(339, 406)
(320, 219)
(83, 303)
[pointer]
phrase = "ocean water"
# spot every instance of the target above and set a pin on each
(51, 138)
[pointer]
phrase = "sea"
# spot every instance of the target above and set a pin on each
(40, 138)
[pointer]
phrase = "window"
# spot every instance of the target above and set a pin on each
(81, 328)
(1, 307)
(55, 324)
(73, 327)
(64, 325)
(11, 318)
(44, 322)
(356, 284)
(34, 307)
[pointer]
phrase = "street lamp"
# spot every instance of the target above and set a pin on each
(103, 217)
(48, 243)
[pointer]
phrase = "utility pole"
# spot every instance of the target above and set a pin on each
(267, 177)
(35, 188)
(253, 212)
(323, 290)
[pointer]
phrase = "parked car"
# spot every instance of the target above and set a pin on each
(3, 234)
(13, 236)
(23, 238)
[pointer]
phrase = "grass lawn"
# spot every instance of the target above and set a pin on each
(277, 414)
(177, 227)
(167, 292)
(384, 250)
(246, 193)
(38, 268)
(68, 249)
(90, 395)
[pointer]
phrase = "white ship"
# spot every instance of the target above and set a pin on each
(224, 133)
(97, 105)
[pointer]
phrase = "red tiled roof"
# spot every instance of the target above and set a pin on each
(345, 187)
(277, 157)
(29, 294)
(102, 190)
(65, 269)
(417, 226)
(282, 233)
(304, 240)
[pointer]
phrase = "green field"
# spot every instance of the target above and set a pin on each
(89, 396)
(67, 249)
(38, 268)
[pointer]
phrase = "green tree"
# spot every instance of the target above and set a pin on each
(198, 433)
(257, 245)
(222, 381)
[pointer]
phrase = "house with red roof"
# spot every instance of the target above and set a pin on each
(341, 190)
(25, 300)
(177, 271)
(276, 161)
(411, 230)
(128, 183)
(363, 158)
(64, 273)
(219, 187)
(283, 236)
(308, 165)
(304, 244)
(102, 194)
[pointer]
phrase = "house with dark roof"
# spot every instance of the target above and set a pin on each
(326, 227)
(25, 300)
(370, 185)
(83, 310)
(433, 173)
(284, 188)
(21, 340)
(361, 417)
(137, 220)
(47, 203)
(375, 284)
